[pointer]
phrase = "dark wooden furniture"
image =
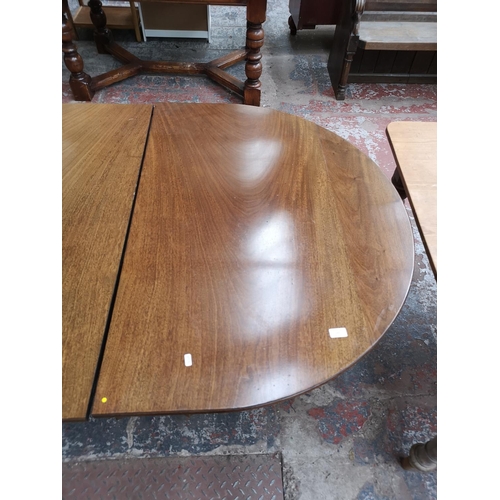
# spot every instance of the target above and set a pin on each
(384, 41)
(117, 17)
(414, 145)
(102, 149)
(84, 86)
(307, 14)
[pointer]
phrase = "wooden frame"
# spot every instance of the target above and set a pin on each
(185, 23)
(118, 17)
(385, 51)
(84, 86)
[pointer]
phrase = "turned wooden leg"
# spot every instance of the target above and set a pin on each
(253, 67)
(67, 11)
(291, 25)
(398, 183)
(102, 35)
(346, 67)
(423, 457)
(79, 81)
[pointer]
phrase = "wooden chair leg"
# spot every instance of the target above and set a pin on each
(345, 44)
(102, 34)
(422, 457)
(135, 19)
(340, 59)
(69, 17)
(398, 183)
(79, 81)
(346, 68)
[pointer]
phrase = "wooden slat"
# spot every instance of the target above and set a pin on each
(188, 68)
(116, 17)
(399, 16)
(176, 16)
(227, 80)
(203, 2)
(115, 75)
(398, 36)
(368, 61)
(390, 78)
(254, 233)
(229, 59)
(385, 61)
(422, 62)
(402, 5)
(403, 62)
(102, 150)
(415, 149)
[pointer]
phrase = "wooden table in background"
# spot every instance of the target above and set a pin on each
(102, 149)
(414, 145)
(83, 86)
(265, 256)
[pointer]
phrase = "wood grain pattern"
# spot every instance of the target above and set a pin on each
(102, 150)
(414, 145)
(401, 5)
(254, 233)
(387, 35)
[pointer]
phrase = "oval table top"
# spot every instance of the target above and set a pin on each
(265, 256)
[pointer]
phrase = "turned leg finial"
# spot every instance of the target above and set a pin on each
(253, 67)
(422, 457)
(79, 81)
(102, 34)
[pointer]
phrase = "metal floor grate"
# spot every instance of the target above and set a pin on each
(248, 477)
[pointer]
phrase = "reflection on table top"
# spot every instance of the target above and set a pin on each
(257, 240)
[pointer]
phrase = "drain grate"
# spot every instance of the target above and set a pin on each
(248, 477)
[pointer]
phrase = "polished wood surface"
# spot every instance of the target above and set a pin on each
(102, 150)
(254, 233)
(387, 35)
(414, 145)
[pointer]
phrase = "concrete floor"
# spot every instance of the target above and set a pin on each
(343, 440)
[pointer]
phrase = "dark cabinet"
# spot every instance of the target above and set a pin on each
(307, 14)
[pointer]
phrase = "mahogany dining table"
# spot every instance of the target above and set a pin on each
(219, 257)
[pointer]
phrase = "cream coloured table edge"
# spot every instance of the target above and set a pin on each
(414, 145)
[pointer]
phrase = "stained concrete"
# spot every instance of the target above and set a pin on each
(343, 440)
